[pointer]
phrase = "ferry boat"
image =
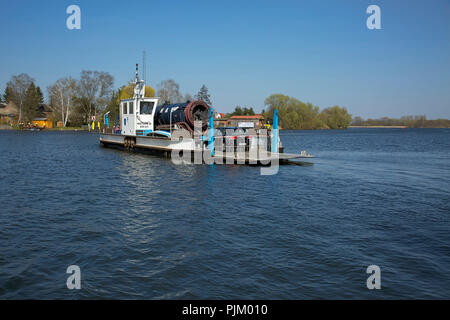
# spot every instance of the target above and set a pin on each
(188, 129)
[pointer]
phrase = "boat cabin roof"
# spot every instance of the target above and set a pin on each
(142, 99)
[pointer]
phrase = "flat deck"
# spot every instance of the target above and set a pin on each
(247, 157)
(151, 143)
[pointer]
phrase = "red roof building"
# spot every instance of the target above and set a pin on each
(256, 116)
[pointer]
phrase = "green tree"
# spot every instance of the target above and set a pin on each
(248, 111)
(127, 92)
(40, 95)
(7, 96)
(293, 114)
(31, 103)
(336, 117)
(239, 111)
(204, 95)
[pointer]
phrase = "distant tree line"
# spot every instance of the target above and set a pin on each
(295, 114)
(239, 111)
(418, 121)
(69, 100)
(75, 101)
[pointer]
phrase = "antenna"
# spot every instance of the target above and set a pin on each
(144, 66)
(137, 74)
(139, 88)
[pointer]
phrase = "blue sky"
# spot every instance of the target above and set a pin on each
(317, 51)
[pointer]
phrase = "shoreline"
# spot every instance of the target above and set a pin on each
(395, 127)
(80, 129)
(9, 128)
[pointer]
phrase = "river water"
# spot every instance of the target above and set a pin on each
(141, 227)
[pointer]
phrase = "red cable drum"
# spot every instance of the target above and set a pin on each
(184, 114)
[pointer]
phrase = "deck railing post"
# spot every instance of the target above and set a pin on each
(274, 142)
(211, 131)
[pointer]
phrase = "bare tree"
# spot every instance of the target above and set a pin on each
(169, 91)
(106, 83)
(96, 88)
(188, 97)
(17, 90)
(61, 95)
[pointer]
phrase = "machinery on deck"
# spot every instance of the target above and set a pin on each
(143, 116)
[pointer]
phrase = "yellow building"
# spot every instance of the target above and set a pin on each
(43, 123)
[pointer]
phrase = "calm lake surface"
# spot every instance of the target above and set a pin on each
(141, 227)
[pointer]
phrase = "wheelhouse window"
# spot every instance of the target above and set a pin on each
(124, 107)
(147, 107)
(131, 109)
